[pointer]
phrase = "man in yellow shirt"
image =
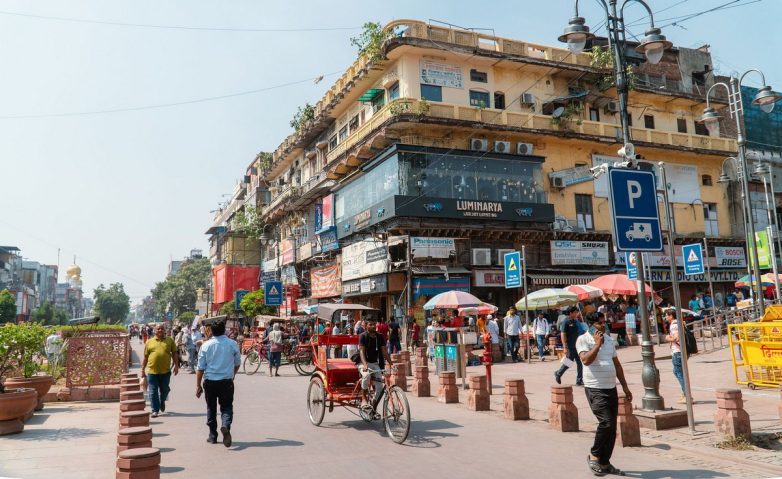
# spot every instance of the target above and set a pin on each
(159, 353)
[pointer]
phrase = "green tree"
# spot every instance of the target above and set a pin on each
(7, 307)
(179, 290)
(303, 117)
(252, 304)
(248, 221)
(370, 41)
(112, 304)
(229, 308)
(49, 315)
(186, 317)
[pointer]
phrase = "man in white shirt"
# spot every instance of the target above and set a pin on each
(53, 346)
(542, 329)
(601, 370)
(512, 330)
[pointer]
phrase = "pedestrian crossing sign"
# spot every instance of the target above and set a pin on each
(512, 265)
(272, 294)
(512, 262)
(693, 259)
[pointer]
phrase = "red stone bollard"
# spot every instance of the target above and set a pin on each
(140, 463)
(421, 357)
(131, 395)
(477, 397)
(133, 438)
(448, 392)
(398, 376)
(132, 405)
(731, 419)
(133, 419)
(628, 427)
(421, 385)
(133, 380)
(406, 359)
(130, 375)
(562, 413)
(516, 402)
(780, 402)
(130, 387)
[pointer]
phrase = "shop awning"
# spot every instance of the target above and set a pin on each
(371, 94)
(562, 279)
(439, 270)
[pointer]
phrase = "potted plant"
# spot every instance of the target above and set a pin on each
(15, 404)
(27, 342)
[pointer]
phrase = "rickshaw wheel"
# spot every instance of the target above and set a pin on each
(752, 386)
(303, 364)
(251, 362)
(316, 400)
(396, 414)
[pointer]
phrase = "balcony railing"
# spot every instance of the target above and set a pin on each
(524, 120)
(285, 195)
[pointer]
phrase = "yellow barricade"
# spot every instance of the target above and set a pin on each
(756, 349)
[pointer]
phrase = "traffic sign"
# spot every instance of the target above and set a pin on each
(272, 293)
(693, 259)
(169, 315)
(238, 296)
(633, 198)
(513, 269)
(632, 265)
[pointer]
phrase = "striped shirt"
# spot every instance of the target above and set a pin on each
(601, 374)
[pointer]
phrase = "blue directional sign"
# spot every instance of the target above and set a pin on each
(633, 201)
(631, 262)
(169, 315)
(272, 293)
(693, 259)
(513, 269)
(238, 296)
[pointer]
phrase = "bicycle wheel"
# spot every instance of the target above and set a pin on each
(303, 363)
(396, 414)
(316, 400)
(251, 362)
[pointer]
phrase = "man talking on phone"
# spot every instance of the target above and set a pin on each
(218, 361)
(601, 370)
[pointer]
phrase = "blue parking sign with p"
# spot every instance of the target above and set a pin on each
(633, 198)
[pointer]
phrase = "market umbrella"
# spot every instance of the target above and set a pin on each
(765, 280)
(617, 284)
(481, 309)
(546, 299)
(452, 300)
(584, 291)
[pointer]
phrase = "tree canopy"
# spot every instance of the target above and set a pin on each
(49, 315)
(252, 304)
(112, 304)
(178, 291)
(7, 307)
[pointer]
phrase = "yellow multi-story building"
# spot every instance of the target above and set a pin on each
(420, 168)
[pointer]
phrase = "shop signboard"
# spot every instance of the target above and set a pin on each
(328, 241)
(579, 252)
(325, 281)
(287, 252)
(431, 207)
(327, 213)
(493, 278)
(432, 247)
(431, 286)
(442, 74)
(573, 176)
(372, 285)
(729, 276)
(364, 258)
(730, 256)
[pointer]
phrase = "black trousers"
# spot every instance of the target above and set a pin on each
(221, 392)
(605, 406)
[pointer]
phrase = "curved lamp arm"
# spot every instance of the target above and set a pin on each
(762, 76)
(708, 93)
(649, 10)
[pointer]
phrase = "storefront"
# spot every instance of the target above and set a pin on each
(380, 291)
(489, 286)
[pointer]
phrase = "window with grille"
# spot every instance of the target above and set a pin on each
(706, 180)
(681, 125)
(710, 226)
(649, 122)
(477, 76)
(499, 100)
(584, 212)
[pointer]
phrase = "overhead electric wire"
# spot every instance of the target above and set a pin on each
(173, 27)
(164, 105)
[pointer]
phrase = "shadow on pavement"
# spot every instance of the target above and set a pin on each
(167, 449)
(38, 419)
(685, 474)
(64, 433)
(160, 434)
(170, 469)
(664, 447)
(184, 414)
(272, 442)
(424, 433)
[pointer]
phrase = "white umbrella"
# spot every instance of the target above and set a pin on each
(548, 298)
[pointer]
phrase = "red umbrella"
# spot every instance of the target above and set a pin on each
(483, 308)
(584, 291)
(452, 300)
(617, 284)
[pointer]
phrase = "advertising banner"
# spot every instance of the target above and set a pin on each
(328, 241)
(364, 258)
(432, 247)
(327, 212)
(371, 285)
(442, 74)
(764, 250)
(286, 252)
(730, 256)
(579, 252)
(494, 278)
(325, 281)
(430, 207)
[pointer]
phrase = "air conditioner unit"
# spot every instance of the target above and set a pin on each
(524, 148)
(527, 99)
(612, 107)
(501, 255)
(502, 147)
(557, 182)
(481, 256)
(479, 144)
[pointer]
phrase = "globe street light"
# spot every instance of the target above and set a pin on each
(765, 98)
(654, 44)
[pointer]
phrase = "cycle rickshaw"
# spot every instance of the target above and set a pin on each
(337, 381)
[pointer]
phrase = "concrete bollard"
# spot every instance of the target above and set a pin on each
(406, 359)
(133, 419)
(129, 380)
(132, 405)
(139, 463)
(448, 392)
(477, 397)
(731, 419)
(515, 401)
(134, 437)
(421, 357)
(562, 413)
(131, 395)
(399, 376)
(628, 427)
(129, 387)
(421, 385)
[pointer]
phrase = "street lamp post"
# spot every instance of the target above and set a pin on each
(765, 99)
(654, 44)
(725, 178)
(762, 170)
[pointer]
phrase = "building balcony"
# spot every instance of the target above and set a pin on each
(278, 203)
(313, 189)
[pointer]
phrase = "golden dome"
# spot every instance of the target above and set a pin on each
(73, 270)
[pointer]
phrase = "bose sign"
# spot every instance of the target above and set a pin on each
(730, 256)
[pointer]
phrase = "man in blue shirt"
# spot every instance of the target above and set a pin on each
(218, 361)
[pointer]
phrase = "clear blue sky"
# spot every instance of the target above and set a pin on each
(128, 191)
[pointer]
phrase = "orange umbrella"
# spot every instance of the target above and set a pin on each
(618, 284)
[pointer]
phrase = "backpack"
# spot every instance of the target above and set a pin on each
(690, 342)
